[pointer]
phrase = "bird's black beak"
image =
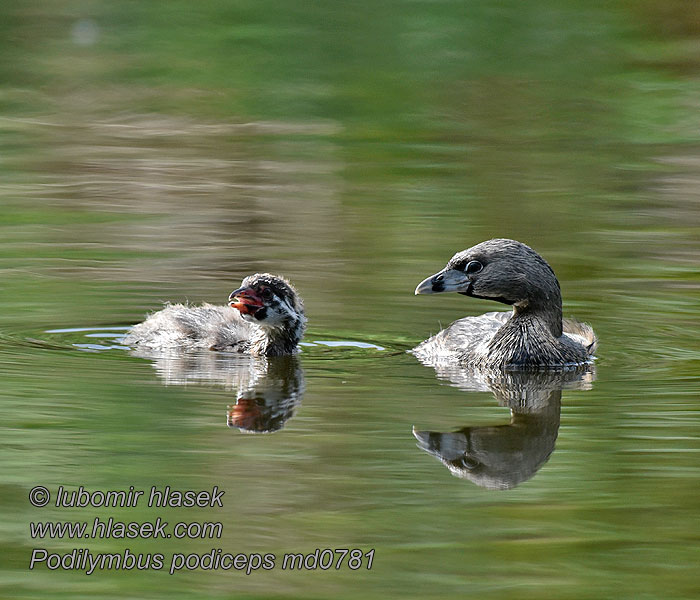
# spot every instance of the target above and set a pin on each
(447, 446)
(447, 280)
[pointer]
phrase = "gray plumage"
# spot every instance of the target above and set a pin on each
(534, 335)
(503, 456)
(271, 323)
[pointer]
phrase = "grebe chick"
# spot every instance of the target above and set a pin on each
(264, 317)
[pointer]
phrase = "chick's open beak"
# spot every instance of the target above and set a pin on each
(447, 280)
(245, 300)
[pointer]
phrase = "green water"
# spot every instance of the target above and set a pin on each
(155, 151)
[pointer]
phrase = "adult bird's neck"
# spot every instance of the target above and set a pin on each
(543, 305)
(549, 316)
(527, 339)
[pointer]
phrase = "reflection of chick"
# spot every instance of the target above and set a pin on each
(267, 403)
(503, 456)
(268, 389)
(268, 321)
(533, 335)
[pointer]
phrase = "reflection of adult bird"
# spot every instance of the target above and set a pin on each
(269, 320)
(503, 456)
(533, 335)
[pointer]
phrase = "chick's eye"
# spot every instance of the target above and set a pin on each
(474, 266)
(266, 294)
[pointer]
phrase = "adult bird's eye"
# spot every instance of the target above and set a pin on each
(468, 463)
(474, 266)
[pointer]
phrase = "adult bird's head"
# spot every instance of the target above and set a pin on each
(503, 270)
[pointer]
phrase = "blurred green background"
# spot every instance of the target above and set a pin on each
(154, 151)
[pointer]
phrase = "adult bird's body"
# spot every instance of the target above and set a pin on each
(533, 335)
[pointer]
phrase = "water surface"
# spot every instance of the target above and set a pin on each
(152, 153)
